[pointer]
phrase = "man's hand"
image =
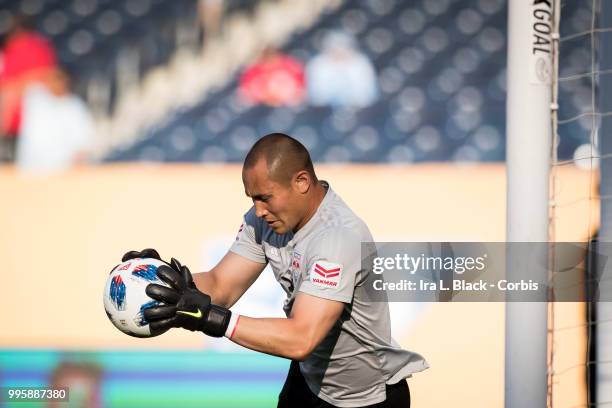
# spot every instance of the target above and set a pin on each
(184, 305)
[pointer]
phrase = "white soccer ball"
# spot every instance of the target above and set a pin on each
(124, 295)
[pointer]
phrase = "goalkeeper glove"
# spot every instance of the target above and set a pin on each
(145, 253)
(183, 304)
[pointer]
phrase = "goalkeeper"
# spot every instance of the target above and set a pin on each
(340, 344)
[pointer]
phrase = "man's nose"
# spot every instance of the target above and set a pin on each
(260, 210)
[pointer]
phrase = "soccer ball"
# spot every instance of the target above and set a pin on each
(125, 299)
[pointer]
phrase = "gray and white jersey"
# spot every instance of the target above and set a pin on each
(358, 356)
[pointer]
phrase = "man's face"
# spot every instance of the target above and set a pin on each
(280, 205)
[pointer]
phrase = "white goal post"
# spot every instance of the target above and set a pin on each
(528, 155)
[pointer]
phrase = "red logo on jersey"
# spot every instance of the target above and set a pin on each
(297, 258)
(323, 282)
(326, 274)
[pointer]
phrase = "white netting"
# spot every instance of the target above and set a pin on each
(580, 115)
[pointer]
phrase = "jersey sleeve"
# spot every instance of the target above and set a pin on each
(333, 266)
(247, 243)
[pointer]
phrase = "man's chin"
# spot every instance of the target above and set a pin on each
(279, 228)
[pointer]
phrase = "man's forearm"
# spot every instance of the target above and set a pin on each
(277, 336)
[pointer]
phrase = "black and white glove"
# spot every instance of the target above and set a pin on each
(183, 304)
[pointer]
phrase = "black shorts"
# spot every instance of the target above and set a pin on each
(295, 393)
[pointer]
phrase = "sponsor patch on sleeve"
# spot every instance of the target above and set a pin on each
(326, 274)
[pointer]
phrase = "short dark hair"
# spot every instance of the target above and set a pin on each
(284, 157)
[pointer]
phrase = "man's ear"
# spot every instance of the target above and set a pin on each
(302, 181)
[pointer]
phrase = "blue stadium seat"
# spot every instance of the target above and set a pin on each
(441, 71)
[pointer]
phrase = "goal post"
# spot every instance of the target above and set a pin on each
(528, 157)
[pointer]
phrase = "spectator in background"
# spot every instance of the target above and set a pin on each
(275, 79)
(26, 57)
(211, 16)
(57, 130)
(84, 383)
(341, 76)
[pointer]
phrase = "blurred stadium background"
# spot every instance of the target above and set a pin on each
(171, 120)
